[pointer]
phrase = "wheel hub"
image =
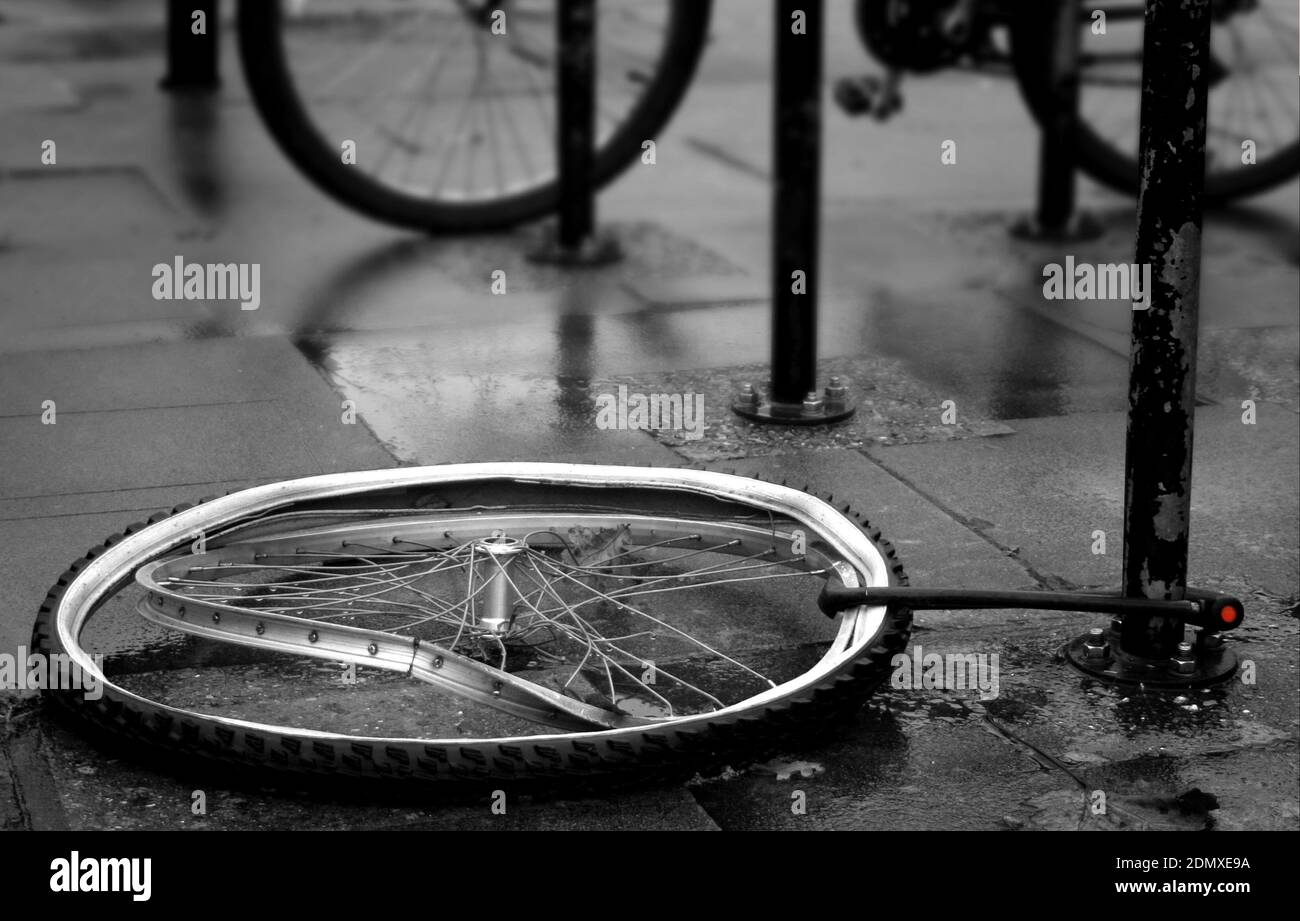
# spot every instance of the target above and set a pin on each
(491, 585)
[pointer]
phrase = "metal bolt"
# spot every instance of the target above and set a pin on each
(1185, 649)
(836, 392)
(437, 662)
(496, 689)
(216, 617)
(812, 403)
(747, 396)
(261, 628)
(1184, 662)
(313, 636)
(373, 649)
(181, 611)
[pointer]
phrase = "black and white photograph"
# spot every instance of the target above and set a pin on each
(649, 415)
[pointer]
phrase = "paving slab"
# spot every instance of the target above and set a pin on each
(39, 548)
(1036, 755)
(1057, 481)
(289, 430)
(139, 430)
(937, 549)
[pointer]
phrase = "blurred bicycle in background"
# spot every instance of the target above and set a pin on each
(451, 103)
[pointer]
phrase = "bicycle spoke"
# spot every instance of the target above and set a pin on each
(512, 130)
(1280, 32)
(592, 648)
(661, 623)
(391, 74)
(417, 96)
(1248, 100)
(577, 615)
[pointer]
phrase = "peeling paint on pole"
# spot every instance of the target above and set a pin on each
(1162, 383)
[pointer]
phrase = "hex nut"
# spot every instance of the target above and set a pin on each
(747, 396)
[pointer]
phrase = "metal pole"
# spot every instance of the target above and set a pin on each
(575, 241)
(796, 215)
(1057, 163)
(1054, 218)
(192, 58)
(1148, 648)
(575, 39)
(796, 199)
(1162, 381)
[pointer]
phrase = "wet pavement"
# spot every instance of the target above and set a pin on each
(925, 299)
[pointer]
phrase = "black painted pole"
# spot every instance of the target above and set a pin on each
(796, 203)
(574, 241)
(796, 214)
(1054, 219)
(192, 59)
(1056, 179)
(576, 44)
(1162, 382)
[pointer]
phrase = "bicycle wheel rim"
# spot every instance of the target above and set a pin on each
(858, 630)
(294, 127)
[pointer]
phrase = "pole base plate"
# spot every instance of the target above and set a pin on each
(770, 412)
(1213, 664)
(598, 249)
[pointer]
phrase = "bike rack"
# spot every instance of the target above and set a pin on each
(1162, 374)
(1055, 219)
(796, 214)
(192, 60)
(573, 240)
(1146, 643)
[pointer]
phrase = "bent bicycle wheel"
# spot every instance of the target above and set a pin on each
(498, 622)
(440, 115)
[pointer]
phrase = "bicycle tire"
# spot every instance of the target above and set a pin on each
(1104, 162)
(677, 750)
(283, 113)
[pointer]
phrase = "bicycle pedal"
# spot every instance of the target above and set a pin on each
(868, 95)
(852, 97)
